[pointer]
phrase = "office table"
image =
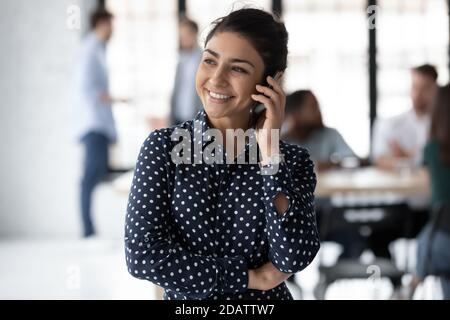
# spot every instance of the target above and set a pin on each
(409, 183)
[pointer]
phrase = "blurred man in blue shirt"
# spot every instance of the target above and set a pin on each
(94, 121)
(185, 103)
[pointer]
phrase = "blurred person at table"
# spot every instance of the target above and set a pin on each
(93, 118)
(304, 126)
(185, 102)
(433, 254)
(400, 140)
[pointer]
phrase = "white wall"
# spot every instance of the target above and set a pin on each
(39, 163)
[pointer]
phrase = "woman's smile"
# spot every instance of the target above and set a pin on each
(215, 97)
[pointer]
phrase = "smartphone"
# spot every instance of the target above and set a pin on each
(259, 108)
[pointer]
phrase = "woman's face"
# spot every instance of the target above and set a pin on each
(227, 76)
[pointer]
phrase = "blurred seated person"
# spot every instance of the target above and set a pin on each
(304, 126)
(433, 254)
(400, 140)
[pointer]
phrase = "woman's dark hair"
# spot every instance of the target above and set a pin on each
(266, 33)
(440, 123)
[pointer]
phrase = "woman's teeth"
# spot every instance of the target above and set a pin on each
(218, 96)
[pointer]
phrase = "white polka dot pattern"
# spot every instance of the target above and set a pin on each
(196, 229)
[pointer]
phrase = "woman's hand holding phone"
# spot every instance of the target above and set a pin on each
(274, 99)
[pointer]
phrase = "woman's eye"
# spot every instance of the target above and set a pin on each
(240, 70)
(208, 61)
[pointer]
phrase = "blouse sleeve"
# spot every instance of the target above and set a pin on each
(292, 236)
(151, 250)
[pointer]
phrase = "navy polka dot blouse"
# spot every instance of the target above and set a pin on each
(196, 229)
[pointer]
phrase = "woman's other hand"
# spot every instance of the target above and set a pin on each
(266, 277)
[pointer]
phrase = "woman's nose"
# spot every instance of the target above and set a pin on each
(219, 77)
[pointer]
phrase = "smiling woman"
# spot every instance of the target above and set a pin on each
(226, 79)
(226, 230)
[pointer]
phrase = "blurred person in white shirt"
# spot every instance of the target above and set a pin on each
(399, 141)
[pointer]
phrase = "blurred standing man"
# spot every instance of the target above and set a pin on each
(94, 122)
(185, 103)
(403, 137)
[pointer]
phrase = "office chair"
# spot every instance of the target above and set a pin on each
(363, 218)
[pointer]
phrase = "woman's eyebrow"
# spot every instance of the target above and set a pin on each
(215, 54)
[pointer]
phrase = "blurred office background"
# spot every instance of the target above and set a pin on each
(358, 74)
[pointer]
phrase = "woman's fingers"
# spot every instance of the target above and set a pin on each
(276, 85)
(269, 93)
(270, 107)
(278, 100)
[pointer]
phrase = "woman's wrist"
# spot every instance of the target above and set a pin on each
(268, 152)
